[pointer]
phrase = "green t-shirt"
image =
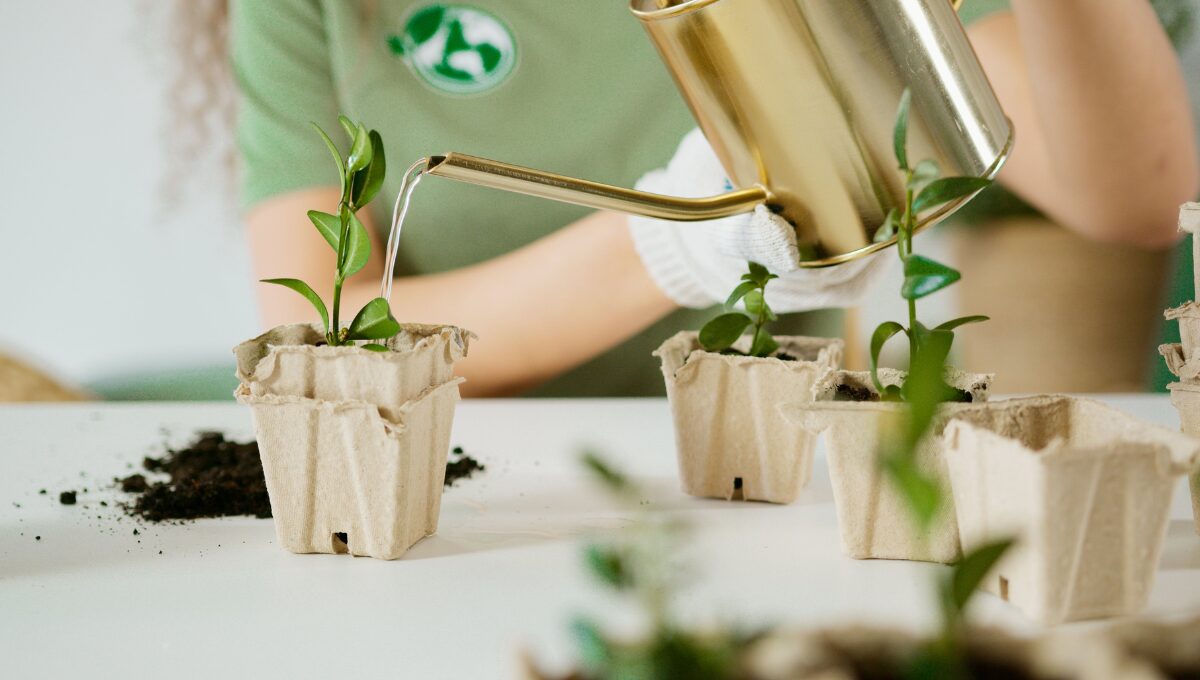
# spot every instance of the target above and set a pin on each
(572, 86)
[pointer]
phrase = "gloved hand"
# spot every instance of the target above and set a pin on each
(697, 264)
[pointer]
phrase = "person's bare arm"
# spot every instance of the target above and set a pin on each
(1105, 143)
(539, 310)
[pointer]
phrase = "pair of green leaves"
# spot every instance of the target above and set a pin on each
(363, 170)
(373, 322)
(719, 334)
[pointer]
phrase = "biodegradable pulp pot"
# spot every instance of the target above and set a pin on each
(1186, 398)
(353, 442)
(1085, 489)
(731, 441)
(874, 521)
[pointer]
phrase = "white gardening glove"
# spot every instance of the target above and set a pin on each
(697, 264)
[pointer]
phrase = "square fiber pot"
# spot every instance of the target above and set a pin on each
(873, 519)
(1085, 488)
(731, 441)
(353, 442)
(1186, 398)
(343, 478)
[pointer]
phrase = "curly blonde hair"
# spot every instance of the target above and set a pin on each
(200, 106)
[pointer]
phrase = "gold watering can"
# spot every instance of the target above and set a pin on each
(798, 98)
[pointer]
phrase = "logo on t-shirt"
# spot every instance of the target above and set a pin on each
(456, 48)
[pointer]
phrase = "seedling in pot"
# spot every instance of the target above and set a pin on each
(361, 174)
(721, 333)
(924, 190)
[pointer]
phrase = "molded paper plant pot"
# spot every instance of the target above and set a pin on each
(855, 652)
(1183, 358)
(344, 477)
(730, 440)
(1085, 488)
(874, 521)
(287, 361)
(1186, 398)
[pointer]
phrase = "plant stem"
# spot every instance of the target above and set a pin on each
(907, 226)
(344, 216)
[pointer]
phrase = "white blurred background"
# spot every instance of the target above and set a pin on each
(107, 284)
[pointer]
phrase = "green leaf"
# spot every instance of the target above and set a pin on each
(350, 128)
(329, 226)
(333, 151)
(945, 190)
(375, 347)
(758, 274)
(923, 276)
(888, 229)
(360, 152)
(594, 651)
(608, 565)
(925, 172)
(358, 248)
(924, 388)
(961, 321)
(373, 322)
(973, 568)
(723, 331)
(740, 292)
(368, 182)
(900, 134)
(764, 344)
(309, 294)
(879, 338)
(755, 302)
(612, 478)
(920, 492)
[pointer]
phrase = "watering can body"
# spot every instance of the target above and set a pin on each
(798, 99)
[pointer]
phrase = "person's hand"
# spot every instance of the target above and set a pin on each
(697, 264)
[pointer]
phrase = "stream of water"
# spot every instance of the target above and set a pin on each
(411, 179)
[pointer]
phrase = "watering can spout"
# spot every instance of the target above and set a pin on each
(531, 182)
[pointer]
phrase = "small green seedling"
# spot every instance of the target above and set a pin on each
(924, 190)
(924, 389)
(639, 564)
(721, 333)
(361, 175)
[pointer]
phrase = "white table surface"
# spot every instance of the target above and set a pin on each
(502, 575)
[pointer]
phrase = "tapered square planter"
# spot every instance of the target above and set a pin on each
(353, 442)
(1186, 398)
(731, 441)
(873, 519)
(1085, 488)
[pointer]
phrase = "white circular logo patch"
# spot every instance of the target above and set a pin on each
(456, 48)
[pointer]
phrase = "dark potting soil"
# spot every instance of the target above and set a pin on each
(215, 477)
(977, 668)
(210, 477)
(852, 393)
(461, 466)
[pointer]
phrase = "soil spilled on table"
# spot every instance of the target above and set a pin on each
(215, 477)
(210, 477)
